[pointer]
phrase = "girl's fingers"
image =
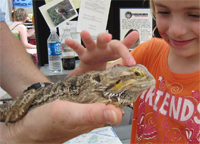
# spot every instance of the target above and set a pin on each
(131, 39)
(103, 39)
(88, 40)
(77, 47)
(114, 48)
(120, 49)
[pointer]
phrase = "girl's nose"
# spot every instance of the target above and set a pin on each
(177, 27)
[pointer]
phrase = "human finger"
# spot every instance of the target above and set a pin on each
(77, 47)
(96, 114)
(87, 40)
(120, 49)
(131, 39)
(76, 114)
(103, 39)
(72, 115)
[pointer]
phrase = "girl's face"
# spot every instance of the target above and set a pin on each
(178, 22)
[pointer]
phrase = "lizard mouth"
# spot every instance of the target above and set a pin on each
(128, 92)
(133, 85)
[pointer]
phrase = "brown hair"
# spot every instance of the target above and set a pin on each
(152, 7)
(20, 14)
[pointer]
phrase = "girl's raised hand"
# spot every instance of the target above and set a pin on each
(105, 49)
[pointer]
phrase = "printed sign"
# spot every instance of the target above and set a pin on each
(132, 19)
(23, 3)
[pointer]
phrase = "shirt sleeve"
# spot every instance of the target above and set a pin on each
(2, 16)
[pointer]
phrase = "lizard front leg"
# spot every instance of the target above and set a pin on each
(18, 108)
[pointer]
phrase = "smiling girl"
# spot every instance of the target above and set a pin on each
(168, 112)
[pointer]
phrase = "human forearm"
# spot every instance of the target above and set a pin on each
(30, 32)
(26, 44)
(17, 70)
(29, 46)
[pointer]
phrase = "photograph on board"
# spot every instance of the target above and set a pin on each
(61, 12)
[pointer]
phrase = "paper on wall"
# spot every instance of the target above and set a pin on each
(58, 12)
(93, 15)
(136, 19)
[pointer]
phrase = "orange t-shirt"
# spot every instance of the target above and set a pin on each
(168, 112)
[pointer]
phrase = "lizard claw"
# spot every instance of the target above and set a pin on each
(13, 114)
(109, 101)
(117, 104)
(122, 112)
(19, 107)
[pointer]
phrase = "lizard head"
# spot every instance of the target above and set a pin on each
(124, 84)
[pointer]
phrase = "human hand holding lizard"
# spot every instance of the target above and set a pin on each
(59, 121)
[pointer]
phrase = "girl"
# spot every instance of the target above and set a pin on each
(19, 30)
(168, 112)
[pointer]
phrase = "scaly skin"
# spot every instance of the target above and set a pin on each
(120, 86)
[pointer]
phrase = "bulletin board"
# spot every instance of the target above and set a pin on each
(113, 26)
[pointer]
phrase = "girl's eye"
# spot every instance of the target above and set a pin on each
(163, 12)
(194, 15)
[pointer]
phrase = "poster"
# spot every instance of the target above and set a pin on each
(58, 12)
(23, 3)
(93, 16)
(136, 19)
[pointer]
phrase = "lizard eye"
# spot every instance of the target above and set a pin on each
(137, 73)
(118, 81)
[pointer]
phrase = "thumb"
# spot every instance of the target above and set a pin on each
(96, 114)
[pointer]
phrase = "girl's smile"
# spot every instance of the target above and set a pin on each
(180, 43)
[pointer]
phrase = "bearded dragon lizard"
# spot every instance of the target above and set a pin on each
(119, 85)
